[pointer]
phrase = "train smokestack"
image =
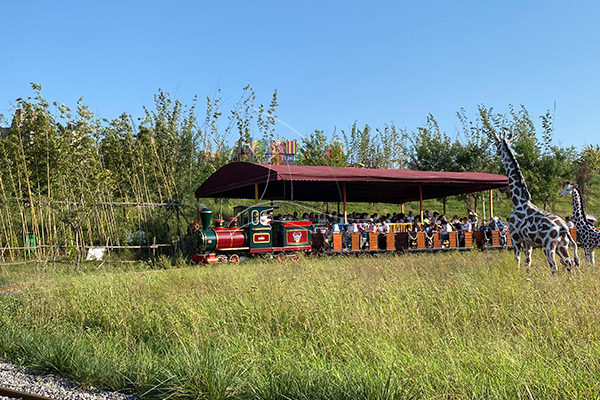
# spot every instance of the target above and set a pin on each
(205, 216)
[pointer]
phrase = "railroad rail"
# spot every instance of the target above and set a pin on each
(15, 394)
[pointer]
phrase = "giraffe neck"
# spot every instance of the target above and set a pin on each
(516, 182)
(578, 211)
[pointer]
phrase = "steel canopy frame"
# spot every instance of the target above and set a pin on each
(341, 184)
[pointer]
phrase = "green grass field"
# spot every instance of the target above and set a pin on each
(445, 326)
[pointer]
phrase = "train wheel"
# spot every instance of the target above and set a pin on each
(281, 256)
(234, 258)
(222, 258)
(294, 257)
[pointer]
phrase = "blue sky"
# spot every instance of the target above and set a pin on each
(332, 62)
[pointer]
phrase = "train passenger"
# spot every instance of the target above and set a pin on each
(332, 217)
(266, 217)
(473, 219)
(502, 230)
(329, 235)
(487, 234)
(465, 226)
(427, 227)
(445, 231)
(371, 226)
(401, 218)
(384, 227)
(415, 223)
(352, 228)
(322, 219)
(484, 226)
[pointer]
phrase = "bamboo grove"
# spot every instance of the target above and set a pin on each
(69, 180)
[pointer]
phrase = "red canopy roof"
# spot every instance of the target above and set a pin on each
(319, 183)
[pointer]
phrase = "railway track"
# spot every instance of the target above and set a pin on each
(15, 394)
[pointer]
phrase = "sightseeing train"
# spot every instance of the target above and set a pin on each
(253, 232)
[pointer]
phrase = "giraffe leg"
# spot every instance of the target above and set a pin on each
(528, 251)
(592, 256)
(563, 252)
(517, 247)
(588, 255)
(550, 251)
(574, 243)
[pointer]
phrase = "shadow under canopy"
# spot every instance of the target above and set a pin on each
(244, 180)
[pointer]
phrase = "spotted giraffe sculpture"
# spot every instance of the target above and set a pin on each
(530, 226)
(587, 236)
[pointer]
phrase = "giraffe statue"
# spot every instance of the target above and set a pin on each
(530, 226)
(587, 236)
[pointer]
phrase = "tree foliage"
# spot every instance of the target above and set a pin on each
(586, 166)
(318, 149)
(381, 148)
(544, 166)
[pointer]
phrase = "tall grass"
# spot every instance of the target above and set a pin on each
(450, 326)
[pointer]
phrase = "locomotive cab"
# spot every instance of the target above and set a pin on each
(259, 229)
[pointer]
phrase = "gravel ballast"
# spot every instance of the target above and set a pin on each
(15, 378)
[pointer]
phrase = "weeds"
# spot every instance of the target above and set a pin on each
(416, 326)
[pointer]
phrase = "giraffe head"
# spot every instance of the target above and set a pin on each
(567, 189)
(502, 140)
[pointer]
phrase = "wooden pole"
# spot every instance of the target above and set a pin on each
(421, 201)
(491, 205)
(344, 200)
(256, 193)
(402, 208)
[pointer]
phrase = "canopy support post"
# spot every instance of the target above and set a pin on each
(421, 202)
(402, 208)
(221, 207)
(491, 204)
(256, 193)
(344, 200)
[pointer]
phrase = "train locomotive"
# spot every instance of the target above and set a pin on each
(251, 233)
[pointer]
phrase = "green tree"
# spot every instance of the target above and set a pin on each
(543, 165)
(431, 149)
(384, 149)
(586, 166)
(317, 149)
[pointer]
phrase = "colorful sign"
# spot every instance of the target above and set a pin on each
(296, 237)
(261, 237)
